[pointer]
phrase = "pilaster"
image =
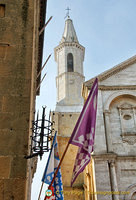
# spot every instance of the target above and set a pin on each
(108, 131)
(113, 177)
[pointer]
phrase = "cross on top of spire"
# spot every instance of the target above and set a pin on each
(67, 14)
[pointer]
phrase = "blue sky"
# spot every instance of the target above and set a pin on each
(107, 30)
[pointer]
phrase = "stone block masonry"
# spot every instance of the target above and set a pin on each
(19, 40)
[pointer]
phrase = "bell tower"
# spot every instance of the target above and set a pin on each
(69, 55)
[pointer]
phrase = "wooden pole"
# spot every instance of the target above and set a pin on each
(40, 191)
(59, 165)
(43, 65)
(41, 82)
(45, 26)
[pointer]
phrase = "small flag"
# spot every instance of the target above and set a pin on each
(84, 131)
(52, 164)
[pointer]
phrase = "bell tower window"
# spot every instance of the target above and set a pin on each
(70, 67)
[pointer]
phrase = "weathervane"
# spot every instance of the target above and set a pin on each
(67, 14)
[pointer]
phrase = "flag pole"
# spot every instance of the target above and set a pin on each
(58, 167)
(43, 66)
(59, 164)
(40, 191)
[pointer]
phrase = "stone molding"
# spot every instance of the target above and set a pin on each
(112, 157)
(107, 112)
(71, 73)
(118, 87)
(67, 44)
(117, 94)
(112, 163)
(114, 87)
(64, 44)
(131, 189)
(68, 108)
(112, 71)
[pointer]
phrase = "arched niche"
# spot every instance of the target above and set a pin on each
(115, 95)
(130, 192)
(133, 196)
(122, 114)
(70, 62)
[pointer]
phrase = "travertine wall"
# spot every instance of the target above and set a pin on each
(18, 43)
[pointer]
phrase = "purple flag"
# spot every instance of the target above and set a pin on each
(84, 131)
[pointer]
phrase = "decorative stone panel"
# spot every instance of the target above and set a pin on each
(127, 113)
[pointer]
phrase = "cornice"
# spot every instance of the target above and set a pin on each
(64, 44)
(70, 73)
(113, 156)
(119, 87)
(105, 156)
(114, 87)
(112, 71)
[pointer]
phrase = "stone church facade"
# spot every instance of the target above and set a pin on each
(113, 165)
(111, 174)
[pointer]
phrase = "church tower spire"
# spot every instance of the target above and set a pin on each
(69, 34)
(69, 55)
